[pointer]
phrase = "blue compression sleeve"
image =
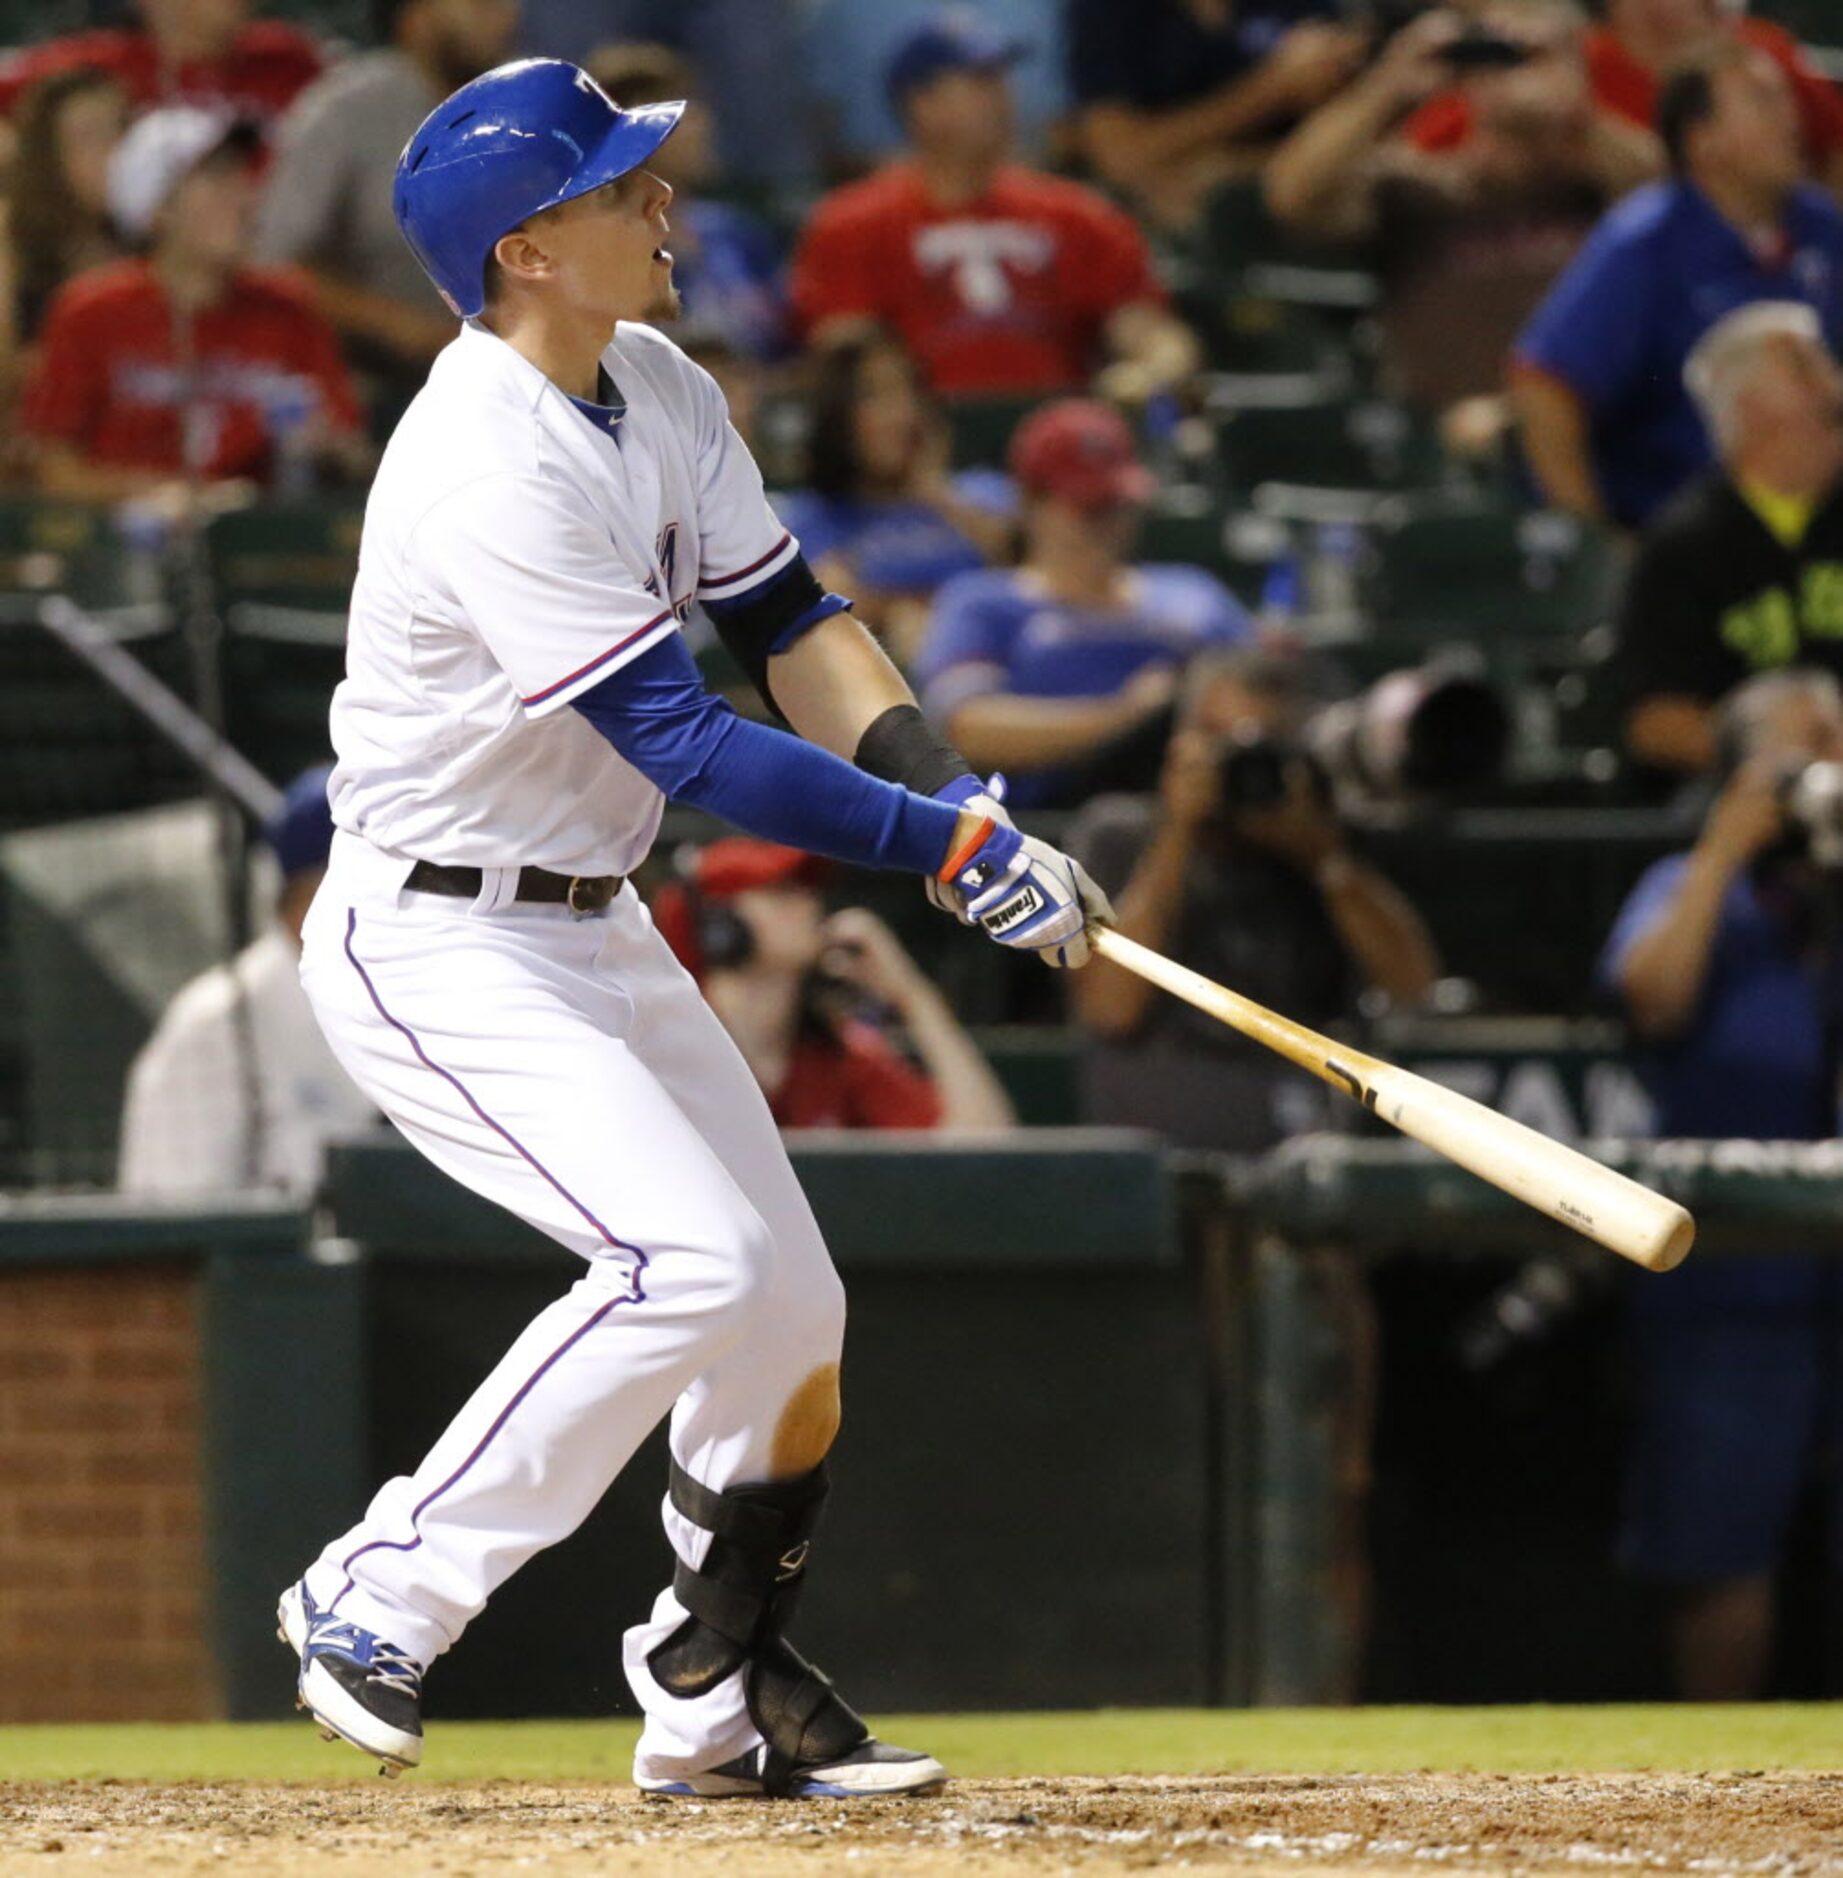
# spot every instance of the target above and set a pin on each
(692, 745)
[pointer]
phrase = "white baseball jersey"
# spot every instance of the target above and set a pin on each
(516, 552)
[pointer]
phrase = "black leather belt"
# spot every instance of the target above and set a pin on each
(581, 893)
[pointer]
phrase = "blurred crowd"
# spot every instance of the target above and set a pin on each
(1006, 298)
(937, 221)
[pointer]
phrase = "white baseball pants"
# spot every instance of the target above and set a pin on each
(569, 1069)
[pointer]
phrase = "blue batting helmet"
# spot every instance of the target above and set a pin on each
(521, 138)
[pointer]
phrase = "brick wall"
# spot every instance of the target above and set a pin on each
(102, 1567)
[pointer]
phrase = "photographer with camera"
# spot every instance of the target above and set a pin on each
(1239, 868)
(816, 1001)
(1727, 962)
(1743, 573)
(1467, 237)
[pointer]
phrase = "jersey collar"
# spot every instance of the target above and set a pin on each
(533, 384)
(605, 411)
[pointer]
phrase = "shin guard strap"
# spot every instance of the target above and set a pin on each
(742, 1597)
(802, 1718)
(769, 1517)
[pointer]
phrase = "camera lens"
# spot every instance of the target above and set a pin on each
(1253, 774)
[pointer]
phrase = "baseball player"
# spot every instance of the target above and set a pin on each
(518, 705)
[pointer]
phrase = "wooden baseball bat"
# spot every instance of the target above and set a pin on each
(1555, 1179)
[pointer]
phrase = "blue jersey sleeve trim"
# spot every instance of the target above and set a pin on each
(798, 628)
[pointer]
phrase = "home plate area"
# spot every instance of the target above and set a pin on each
(1741, 1821)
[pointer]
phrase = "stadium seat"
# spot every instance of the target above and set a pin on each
(981, 428)
(75, 550)
(1040, 1066)
(1241, 240)
(69, 746)
(1203, 528)
(1818, 22)
(25, 22)
(1243, 331)
(351, 22)
(1487, 571)
(1250, 333)
(1363, 445)
(282, 578)
(273, 562)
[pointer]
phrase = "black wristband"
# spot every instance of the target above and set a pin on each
(901, 746)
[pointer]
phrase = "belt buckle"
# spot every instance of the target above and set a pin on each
(588, 894)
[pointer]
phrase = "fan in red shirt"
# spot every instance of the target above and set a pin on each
(187, 366)
(806, 996)
(1002, 281)
(1631, 51)
(203, 52)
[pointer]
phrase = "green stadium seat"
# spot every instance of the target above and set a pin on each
(1818, 22)
(1040, 1066)
(1344, 444)
(282, 577)
(1238, 228)
(981, 428)
(1243, 332)
(25, 22)
(1203, 528)
(1488, 571)
(273, 561)
(1241, 240)
(68, 745)
(350, 21)
(78, 551)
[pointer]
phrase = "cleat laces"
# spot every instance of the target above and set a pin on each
(384, 1662)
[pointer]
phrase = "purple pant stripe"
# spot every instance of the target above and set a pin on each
(636, 1296)
(480, 1447)
(505, 1134)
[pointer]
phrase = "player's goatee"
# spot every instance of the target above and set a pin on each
(667, 306)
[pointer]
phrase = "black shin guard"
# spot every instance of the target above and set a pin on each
(741, 1600)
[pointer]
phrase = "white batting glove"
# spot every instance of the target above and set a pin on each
(1030, 896)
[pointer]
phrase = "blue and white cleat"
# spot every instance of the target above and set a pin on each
(872, 1770)
(358, 1687)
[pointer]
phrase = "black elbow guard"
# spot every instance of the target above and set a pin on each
(770, 619)
(901, 746)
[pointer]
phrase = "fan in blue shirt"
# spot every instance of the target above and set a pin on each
(1060, 672)
(1608, 423)
(1719, 961)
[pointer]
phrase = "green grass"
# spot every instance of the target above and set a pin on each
(1114, 1741)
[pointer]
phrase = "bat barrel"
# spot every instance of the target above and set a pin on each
(1556, 1179)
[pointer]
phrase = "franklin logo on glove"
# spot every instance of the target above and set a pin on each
(1008, 915)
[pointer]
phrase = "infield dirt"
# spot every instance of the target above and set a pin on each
(1785, 1825)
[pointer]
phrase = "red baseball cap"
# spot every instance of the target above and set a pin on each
(736, 863)
(1081, 452)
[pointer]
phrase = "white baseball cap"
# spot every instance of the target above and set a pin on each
(158, 152)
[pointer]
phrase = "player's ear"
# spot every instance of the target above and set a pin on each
(522, 255)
